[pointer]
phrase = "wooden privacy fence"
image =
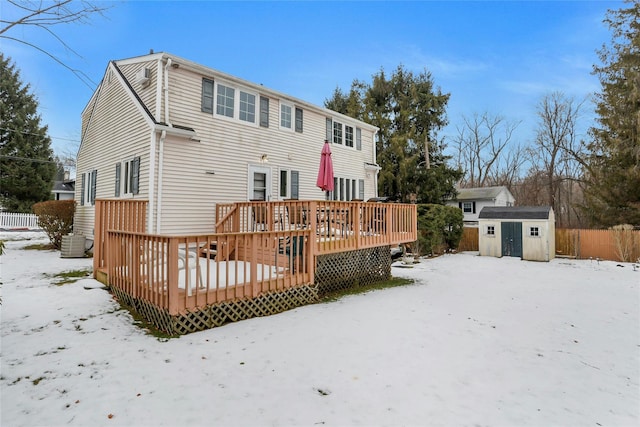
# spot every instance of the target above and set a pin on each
(469, 240)
(614, 245)
(9, 220)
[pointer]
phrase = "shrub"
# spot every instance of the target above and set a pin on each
(56, 218)
(625, 241)
(439, 228)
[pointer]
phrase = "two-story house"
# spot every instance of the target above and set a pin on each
(184, 137)
(472, 200)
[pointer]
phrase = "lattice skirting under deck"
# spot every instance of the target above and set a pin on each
(333, 272)
(218, 314)
(345, 270)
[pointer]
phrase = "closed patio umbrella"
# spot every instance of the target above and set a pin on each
(325, 173)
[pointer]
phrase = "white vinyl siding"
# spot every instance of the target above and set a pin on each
(212, 168)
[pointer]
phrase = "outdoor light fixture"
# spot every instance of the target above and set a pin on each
(264, 158)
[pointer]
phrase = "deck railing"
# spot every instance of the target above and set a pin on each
(122, 215)
(179, 273)
(258, 247)
(338, 226)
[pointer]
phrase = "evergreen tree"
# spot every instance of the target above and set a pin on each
(613, 196)
(27, 167)
(409, 111)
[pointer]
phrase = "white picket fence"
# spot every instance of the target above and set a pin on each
(11, 221)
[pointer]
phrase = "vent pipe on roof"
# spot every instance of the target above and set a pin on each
(166, 92)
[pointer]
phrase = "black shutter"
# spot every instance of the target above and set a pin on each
(135, 175)
(264, 111)
(94, 182)
(299, 120)
(207, 96)
(460, 205)
(295, 187)
(82, 189)
(329, 136)
(474, 207)
(118, 171)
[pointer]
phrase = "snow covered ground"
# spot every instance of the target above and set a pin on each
(474, 341)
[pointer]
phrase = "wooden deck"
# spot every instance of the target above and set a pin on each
(257, 248)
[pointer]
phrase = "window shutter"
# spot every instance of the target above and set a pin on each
(118, 171)
(474, 207)
(361, 189)
(299, 120)
(264, 111)
(460, 205)
(295, 188)
(135, 175)
(83, 188)
(358, 139)
(329, 136)
(94, 182)
(207, 96)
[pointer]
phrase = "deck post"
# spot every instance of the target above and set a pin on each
(253, 266)
(172, 276)
(356, 218)
(97, 238)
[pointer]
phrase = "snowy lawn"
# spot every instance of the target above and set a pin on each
(474, 341)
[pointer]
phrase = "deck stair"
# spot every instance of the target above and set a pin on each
(211, 252)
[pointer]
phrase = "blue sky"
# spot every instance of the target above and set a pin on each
(498, 57)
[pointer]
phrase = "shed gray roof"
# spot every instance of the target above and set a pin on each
(479, 193)
(515, 212)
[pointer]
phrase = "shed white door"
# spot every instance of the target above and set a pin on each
(259, 183)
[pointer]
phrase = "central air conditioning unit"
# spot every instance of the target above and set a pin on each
(143, 77)
(72, 246)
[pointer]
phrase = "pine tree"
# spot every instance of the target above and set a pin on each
(614, 166)
(409, 111)
(26, 159)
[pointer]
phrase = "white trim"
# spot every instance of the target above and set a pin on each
(251, 169)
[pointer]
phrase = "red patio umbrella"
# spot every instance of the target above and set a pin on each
(325, 173)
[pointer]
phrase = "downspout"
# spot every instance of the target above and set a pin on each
(166, 92)
(163, 135)
(152, 168)
(160, 162)
(375, 162)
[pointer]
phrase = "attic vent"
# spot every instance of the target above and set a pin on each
(143, 77)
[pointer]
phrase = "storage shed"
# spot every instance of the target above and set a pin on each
(527, 232)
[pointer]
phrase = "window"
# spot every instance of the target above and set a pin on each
(348, 136)
(491, 230)
(264, 112)
(469, 207)
(289, 184)
(128, 177)
(534, 231)
(207, 96)
(299, 120)
(337, 133)
(225, 101)
(88, 193)
(358, 139)
(247, 107)
(285, 116)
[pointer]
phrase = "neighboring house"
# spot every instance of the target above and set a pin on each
(64, 190)
(472, 200)
(527, 232)
(185, 137)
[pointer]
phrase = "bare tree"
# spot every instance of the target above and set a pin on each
(46, 15)
(483, 150)
(557, 157)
